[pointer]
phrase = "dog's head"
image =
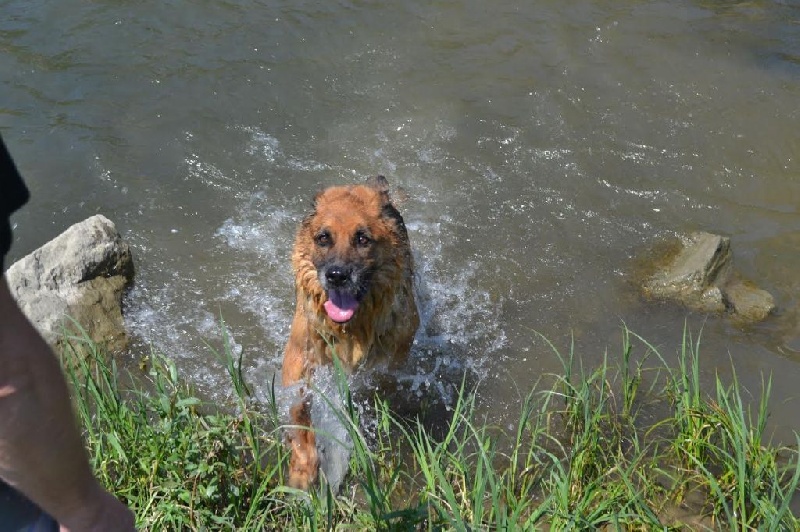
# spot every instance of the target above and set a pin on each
(351, 235)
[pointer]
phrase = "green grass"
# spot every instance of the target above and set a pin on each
(580, 456)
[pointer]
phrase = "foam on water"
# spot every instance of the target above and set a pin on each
(208, 174)
(263, 284)
(269, 149)
(159, 321)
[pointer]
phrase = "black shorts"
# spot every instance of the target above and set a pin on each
(13, 195)
(19, 514)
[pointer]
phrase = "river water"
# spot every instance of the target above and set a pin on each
(542, 147)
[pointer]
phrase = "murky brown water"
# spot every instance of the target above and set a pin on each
(543, 146)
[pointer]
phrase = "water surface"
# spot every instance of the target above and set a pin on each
(542, 146)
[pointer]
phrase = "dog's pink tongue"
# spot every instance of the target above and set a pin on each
(340, 306)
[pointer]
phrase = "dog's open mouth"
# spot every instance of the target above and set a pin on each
(340, 306)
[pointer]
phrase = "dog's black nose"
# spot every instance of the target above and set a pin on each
(336, 276)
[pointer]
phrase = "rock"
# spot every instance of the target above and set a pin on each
(692, 276)
(82, 273)
(701, 276)
(748, 302)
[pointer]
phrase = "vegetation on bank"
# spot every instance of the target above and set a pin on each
(620, 447)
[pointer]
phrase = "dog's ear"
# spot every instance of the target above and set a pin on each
(315, 201)
(309, 216)
(379, 183)
(388, 210)
(399, 195)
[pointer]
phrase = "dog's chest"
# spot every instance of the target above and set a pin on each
(352, 345)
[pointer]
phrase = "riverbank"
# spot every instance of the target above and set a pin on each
(620, 446)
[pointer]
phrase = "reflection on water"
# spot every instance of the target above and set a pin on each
(542, 148)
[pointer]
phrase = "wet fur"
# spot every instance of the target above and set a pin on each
(356, 238)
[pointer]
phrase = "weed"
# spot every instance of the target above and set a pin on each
(578, 457)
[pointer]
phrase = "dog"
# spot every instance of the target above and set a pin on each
(354, 284)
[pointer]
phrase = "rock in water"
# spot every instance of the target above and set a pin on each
(695, 273)
(701, 276)
(82, 273)
(749, 303)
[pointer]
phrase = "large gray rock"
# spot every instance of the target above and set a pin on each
(82, 273)
(702, 277)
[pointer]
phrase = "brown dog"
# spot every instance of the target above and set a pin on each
(355, 298)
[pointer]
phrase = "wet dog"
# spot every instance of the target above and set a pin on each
(355, 298)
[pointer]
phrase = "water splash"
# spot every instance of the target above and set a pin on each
(250, 283)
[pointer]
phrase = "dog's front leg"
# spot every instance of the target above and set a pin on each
(304, 461)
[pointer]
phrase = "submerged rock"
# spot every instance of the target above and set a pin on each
(81, 273)
(701, 276)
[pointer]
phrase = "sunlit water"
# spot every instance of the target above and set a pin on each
(541, 147)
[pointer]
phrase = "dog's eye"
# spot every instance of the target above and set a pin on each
(323, 240)
(362, 240)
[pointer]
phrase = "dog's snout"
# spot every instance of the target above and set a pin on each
(336, 276)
